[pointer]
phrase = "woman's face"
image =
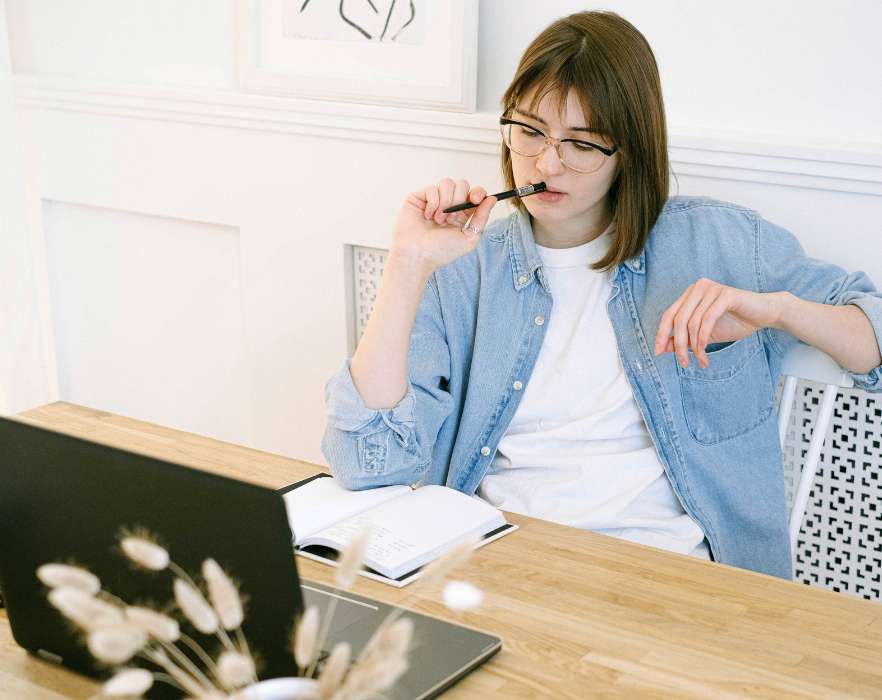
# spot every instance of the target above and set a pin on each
(576, 203)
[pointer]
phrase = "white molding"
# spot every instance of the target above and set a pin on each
(844, 167)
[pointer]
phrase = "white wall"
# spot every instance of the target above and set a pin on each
(26, 372)
(193, 263)
(151, 42)
(803, 70)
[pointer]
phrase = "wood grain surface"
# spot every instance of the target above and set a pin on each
(581, 615)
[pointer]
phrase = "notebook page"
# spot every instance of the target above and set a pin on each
(412, 530)
(323, 502)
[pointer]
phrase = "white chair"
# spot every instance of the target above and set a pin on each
(808, 363)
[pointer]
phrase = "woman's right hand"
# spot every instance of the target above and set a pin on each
(428, 237)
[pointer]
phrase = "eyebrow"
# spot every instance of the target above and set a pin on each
(539, 119)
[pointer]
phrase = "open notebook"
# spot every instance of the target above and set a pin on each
(409, 527)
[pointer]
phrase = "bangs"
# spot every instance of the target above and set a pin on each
(555, 77)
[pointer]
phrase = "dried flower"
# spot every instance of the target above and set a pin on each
(66, 576)
(352, 558)
(223, 595)
(453, 558)
(219, 695)
(145, 553)
(369, 680)
(195, 607)
(115, 631)
(392, 640)
(162, 627)
(306, 637)
(335, 668)
(462, 595)
(235, 669)
(383, 661)
(128, 682)
(116, 644)
(183, 679)
(84, 609)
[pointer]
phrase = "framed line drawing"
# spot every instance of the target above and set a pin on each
(411, 53)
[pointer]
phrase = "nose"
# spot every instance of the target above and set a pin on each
(548, 162)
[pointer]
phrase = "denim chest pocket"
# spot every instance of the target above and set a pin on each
(733, 395)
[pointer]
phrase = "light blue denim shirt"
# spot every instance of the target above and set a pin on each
(482, 320)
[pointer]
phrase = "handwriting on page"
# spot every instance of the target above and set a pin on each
(384, 545)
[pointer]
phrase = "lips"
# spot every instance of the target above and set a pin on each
(551, 189)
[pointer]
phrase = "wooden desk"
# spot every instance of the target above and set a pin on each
(581, 615)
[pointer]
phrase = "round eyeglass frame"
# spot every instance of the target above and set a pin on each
(551, 141)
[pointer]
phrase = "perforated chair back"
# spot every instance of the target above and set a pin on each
(808, 363)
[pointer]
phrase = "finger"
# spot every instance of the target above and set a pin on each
(477, 194)
(718, 308)
(445, 188)
(482, 213)
(433, 198)
(666, 323)
(682, 318)
(460, 194)
(697, 339)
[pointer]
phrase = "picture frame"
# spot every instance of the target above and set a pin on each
(410, 53)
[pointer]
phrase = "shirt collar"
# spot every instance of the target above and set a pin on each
(526, 262)
(637, 264)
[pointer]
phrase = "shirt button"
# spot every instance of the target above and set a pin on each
(523, 279)
(539, 320)
(485, 450)
(518, 385)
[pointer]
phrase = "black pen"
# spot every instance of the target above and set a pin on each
(519, 192)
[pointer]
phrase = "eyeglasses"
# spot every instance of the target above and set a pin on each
(581, 156)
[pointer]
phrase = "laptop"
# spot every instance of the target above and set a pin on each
(65, 499)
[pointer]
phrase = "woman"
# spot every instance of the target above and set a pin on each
(605, 357)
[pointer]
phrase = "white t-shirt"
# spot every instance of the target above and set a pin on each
(577, 450)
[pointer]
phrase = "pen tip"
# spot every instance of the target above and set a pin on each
(539, 187)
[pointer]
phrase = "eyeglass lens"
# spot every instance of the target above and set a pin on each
(529, 142)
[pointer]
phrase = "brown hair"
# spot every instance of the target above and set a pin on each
(611, 67)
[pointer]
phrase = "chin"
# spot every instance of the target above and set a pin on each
(551, 212)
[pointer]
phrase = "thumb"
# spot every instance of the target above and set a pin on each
(482, 213)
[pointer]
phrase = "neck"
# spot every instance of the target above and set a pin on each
(568, 234)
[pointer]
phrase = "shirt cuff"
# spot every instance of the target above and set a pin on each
(872, 307)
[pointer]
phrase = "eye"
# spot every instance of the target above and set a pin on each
(583, 146)
(527, 131)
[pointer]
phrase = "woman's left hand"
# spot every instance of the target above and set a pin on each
(709, 312)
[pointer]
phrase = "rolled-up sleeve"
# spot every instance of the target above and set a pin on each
(368, 447)
(782, 265)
